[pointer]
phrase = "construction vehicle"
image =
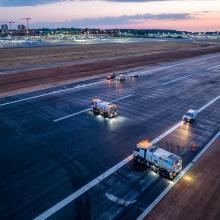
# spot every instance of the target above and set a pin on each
(111, 76)
(190, 115)
(157, 159)
(121, 77)
(106, 109)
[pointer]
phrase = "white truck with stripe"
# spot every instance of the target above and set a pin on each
(104, 108)
(157, 159)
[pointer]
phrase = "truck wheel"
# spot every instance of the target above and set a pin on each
(152, 167)
(138, 160)
(171, 177)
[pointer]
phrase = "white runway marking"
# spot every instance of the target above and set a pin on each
(71, 115)
(99, 82)
(166, 133)
(174, 80)
(51, 93)
(124, 97)
(118, 200)
(178, 64)
(213, 67)
(82, 190)
(209, 103)
(86, 110)
(158, 199)
(97, 180)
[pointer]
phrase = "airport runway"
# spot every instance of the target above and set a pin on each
(52, 146)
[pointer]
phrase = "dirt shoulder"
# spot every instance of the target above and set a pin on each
(197, 195)
(27, 57)
(123, 57)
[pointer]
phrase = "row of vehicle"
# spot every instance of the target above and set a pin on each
(155, 158)
(120, 77)
(109, 110)
(159, 160)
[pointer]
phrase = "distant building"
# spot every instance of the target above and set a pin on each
(4, 28)
(21, 27)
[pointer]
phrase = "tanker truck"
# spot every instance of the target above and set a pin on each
(106, 109)
(157, 159)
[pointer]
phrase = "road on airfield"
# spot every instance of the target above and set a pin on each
(27, 69)
(44, 160)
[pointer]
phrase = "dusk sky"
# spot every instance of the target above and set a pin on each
(191, 15)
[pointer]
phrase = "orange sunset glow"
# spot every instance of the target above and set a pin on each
(190, 15)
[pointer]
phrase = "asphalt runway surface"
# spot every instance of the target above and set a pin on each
(52, 146)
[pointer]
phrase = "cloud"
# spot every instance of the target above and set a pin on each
(16, 3)
(137, 0)
(116, 20)
(124, 19)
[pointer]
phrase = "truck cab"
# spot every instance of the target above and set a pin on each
(190, 115)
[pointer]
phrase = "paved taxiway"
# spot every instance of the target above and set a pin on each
(45, 156)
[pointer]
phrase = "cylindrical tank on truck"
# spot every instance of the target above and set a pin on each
(103, 108)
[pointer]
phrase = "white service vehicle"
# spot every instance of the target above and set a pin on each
(157, 159)
(103, 108)
(111, 76)
(134, 75)
(190, 115)
(120, 77)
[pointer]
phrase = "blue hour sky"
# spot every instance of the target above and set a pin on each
(192, 15)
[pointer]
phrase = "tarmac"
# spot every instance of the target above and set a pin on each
(58, 160)
(196, 196)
